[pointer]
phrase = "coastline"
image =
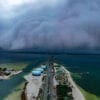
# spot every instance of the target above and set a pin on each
(13, 73)
(77, 94)
(35, 83)
(87, 95)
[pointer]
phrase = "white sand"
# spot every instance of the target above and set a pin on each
(33, 86)
(75, 91)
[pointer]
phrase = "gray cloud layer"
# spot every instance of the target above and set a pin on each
(69, 24)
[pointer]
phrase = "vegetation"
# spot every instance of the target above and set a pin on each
(76, 75)
(89, 96)
(15, 66)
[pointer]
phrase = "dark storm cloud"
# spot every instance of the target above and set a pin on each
(67, 25)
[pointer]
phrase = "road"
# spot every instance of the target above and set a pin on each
(48, 88)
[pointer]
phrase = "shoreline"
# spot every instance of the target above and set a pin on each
(34, 84)
(77, 94)
(13, 73)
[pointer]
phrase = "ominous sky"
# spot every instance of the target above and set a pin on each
(50, 24)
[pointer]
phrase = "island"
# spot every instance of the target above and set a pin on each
(51, 81)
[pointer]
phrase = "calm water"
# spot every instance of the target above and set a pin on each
(7, 86)
(83, 64)
(74, 63)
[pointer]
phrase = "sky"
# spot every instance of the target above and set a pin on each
(57, 25)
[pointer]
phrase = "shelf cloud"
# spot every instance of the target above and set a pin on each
(50, 25)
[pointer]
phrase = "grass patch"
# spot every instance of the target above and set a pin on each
(76, 75)
(88, 96)
(15, 66)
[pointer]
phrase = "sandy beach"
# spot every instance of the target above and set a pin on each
(77, 95)
(33, 86)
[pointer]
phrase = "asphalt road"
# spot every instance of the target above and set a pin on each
(48, 88)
